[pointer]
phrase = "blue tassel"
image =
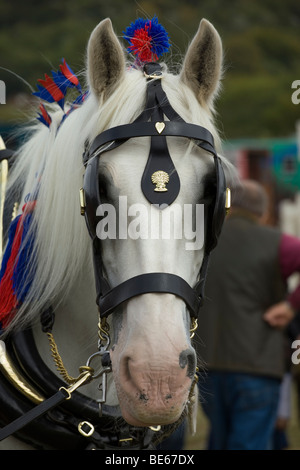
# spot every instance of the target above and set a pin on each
(18, 267)
(24, 271)
(3, 287)
(7, 253)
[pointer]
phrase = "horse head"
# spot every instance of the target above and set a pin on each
(153, 196)
(153, 361)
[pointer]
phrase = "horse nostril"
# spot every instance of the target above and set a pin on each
(187, 358)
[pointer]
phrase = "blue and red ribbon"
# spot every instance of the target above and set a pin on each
(54, 90)
(16, 273)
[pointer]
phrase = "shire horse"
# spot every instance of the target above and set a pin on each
(138, 369)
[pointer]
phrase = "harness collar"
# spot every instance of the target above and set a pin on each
(76, 424)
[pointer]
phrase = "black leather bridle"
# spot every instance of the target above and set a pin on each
(151, 123)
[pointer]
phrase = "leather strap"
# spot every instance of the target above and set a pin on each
(48, 382)
(142, 129)
(146, 283)
(43, 433)
(6, 154)
(33, 414)
(160, 159)
(59, 428)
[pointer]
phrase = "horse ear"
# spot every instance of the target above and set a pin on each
(105, 59)
(202, 66)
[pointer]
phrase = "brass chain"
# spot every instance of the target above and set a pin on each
(194, 327)
(103, 330)
(60, 365)
(103, 334)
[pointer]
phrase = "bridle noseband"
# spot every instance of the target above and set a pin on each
(151, 123)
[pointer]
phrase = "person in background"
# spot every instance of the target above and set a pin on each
(240, 339)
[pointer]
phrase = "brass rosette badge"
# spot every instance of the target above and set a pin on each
(160, 179)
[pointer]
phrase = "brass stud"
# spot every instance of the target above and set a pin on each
(160, 179)
(159, 126)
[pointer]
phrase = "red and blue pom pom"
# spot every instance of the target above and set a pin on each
(148, 39)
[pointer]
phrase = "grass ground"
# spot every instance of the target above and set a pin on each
(198, 441)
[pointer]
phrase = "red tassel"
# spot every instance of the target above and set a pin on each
(7, 294)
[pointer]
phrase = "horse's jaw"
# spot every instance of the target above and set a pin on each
(153, 362)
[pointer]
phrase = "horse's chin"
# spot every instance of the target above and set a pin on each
(159, 405)
(142, 419)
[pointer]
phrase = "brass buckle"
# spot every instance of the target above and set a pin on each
(155, 428)
(127, 440)
(227, 200)
(83, 432)
(82, 201)
(157, 75)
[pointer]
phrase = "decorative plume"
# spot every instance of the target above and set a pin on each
(148, 40)
(65, 78)
(49, 91)
(55, 90)
(44, 116)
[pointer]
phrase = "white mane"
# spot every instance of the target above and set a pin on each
(53, 157)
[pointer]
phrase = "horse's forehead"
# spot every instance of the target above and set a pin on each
(127, 163)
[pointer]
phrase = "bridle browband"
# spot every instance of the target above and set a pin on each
(151, 123)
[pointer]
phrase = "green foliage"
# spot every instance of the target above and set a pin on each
(261, 44)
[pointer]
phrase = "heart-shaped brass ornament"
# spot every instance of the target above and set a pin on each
(159, 126)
